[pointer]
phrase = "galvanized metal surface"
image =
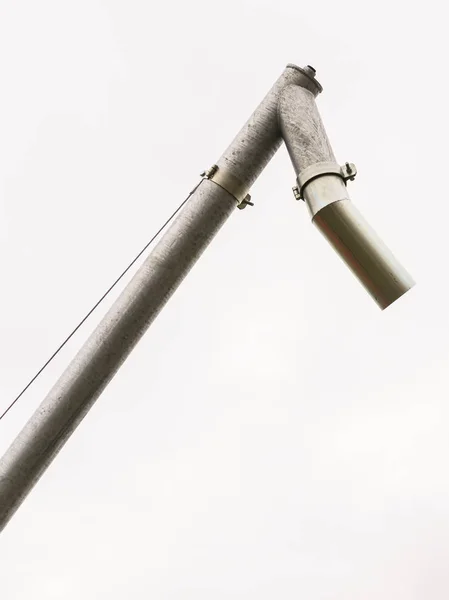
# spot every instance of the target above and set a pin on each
(364, 252)
(347, 172)
(259, 139)
(110, 344)
(328, 200)
(229, 182)
(302, 129)
(323, 191)
(120, 330)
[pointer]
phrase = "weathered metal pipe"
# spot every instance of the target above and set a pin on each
(322, 185)
(288, 111)
(120, 330)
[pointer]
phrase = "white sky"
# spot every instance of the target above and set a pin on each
(275, 435)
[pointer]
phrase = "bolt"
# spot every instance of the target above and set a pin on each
(310, 70)
(296, 193)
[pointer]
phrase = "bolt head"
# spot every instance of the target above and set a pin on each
(310, 70)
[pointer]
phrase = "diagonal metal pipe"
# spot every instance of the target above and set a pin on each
(322, 185)
(224, 187)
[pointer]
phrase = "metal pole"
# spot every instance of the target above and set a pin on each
(224, 187)
(322, 185)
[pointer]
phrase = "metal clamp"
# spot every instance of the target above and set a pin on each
(348, 171)
(230, 183)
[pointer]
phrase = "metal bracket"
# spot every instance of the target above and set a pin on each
(348, 171)
(297, 194)
(245, 202)
(230, 183)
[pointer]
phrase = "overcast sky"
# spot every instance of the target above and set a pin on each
(275, 435)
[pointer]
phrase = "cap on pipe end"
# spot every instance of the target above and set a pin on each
(364, 252)
(309, 82)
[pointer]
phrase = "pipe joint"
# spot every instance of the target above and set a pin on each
(346, 172)
(229, 182)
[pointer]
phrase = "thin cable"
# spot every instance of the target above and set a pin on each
(99, 302)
